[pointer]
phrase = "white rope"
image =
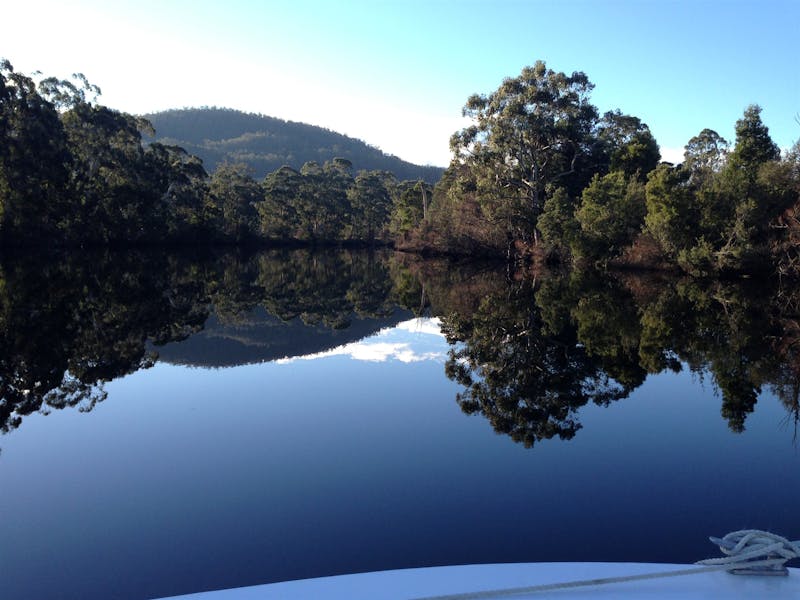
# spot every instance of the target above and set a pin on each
(746, 549)
(749, 544)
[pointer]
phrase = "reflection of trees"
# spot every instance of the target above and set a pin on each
(724, 329)
(69, 325)
(66, 327)
(529, 353)
(526, 381)
(324, 287)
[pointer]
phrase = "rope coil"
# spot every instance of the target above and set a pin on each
(746, 545)
(749, 551)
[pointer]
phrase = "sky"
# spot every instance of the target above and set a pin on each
(396, 74)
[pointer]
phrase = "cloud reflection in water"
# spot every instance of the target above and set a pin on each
(411, 341)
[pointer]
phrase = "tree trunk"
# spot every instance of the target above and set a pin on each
(424, 201)
(535, 201)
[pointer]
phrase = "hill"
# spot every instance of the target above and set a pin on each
(266, 143)
(261, 337)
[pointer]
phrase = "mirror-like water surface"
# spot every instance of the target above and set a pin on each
(176, 424)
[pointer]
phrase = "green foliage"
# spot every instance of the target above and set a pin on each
(234, 195)
(610, 214)
(76, 172)
(371, 203)
(627, 145)
(536, 159)
(411, 206)
(265, 144)
(753, 147)
(278, 212)
(705, 156)
(528, 134)
(672, 214)
(558, 225)
(34, 160)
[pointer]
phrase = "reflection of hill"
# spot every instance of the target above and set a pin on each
(528, 352)
(260, 337)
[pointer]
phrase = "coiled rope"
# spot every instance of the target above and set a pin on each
(746, 551)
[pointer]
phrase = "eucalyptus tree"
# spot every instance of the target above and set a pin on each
(34, 160)
(705, 156)
(181, 182)
(110, 177)
(371, 202)
(278, 212)
(610, 214)
(234, 195)
(411, 206)
(627, 145)
(526, 138)
(336, 182)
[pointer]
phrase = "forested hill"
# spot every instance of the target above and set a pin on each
(266, 143)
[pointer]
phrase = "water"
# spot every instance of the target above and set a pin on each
(307, 425)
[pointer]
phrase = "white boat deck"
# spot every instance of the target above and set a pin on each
(441, 581)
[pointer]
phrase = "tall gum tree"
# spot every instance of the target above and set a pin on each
(526, 140)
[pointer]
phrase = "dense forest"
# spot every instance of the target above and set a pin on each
(222, 135)
(539, 170)
(540, 174)
(74, 172)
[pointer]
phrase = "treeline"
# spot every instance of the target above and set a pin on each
(224, 135)
(76, 172)
(539, 174)
(540, 170)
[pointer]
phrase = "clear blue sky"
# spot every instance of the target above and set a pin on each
(396, 73)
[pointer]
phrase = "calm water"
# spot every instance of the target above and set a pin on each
(182, 423)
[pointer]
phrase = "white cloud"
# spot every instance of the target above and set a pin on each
(419, 340)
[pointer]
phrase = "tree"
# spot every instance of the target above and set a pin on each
(704, 156)
(527, 135)
(611, 214)
(742, 208)
(371, 203)
(181, 182)
(110, 176)
(673, 217)
(627, 145)
(410, 207)
(560, 229)
(278, 212)
(754, 146)
(235, 195)
(34, 160)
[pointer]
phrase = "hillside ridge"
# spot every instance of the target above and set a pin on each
(266, 143)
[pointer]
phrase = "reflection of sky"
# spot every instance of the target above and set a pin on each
(410, 341)
(189, 479)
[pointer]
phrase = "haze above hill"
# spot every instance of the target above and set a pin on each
(219, 135)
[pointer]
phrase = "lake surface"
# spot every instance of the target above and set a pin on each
(173, 423)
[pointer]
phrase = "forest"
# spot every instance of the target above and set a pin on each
(220, 135)
(74, 172)
(539, 176)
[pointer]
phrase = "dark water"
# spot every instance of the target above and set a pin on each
(177, 423)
